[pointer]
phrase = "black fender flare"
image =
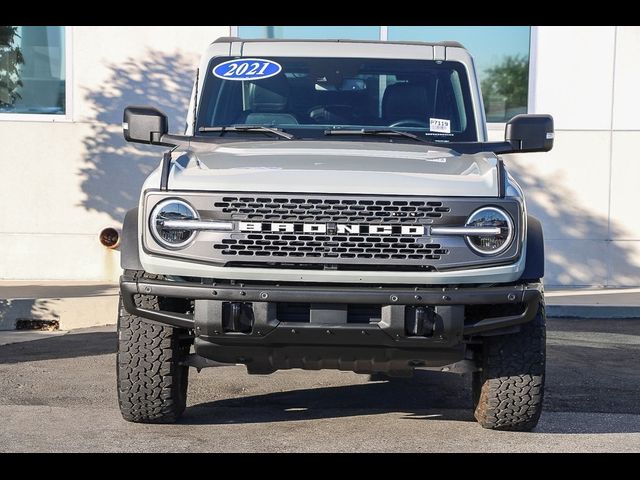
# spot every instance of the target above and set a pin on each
(129, 258)
(534, 263)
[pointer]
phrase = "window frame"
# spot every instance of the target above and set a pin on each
(531, 86)
(68, 90)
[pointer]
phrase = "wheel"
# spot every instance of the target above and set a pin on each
(509, 390)
(152, 382)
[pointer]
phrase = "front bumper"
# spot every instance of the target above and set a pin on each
(183, 268)
(385, 345)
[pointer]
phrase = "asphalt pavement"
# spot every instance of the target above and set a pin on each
(58, 394)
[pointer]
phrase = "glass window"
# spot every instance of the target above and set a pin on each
(501, 55)
(311, 96)
(312, 32)
(32, 70)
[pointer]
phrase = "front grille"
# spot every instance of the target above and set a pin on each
(331, 247)
(332, 231)
(298, 209)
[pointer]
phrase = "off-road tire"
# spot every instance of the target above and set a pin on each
(509, 391)
(152, 382)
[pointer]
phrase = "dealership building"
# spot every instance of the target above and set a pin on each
(66, 172)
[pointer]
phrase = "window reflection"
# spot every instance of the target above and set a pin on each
(32, 69)
(363, 32)
(501, 54)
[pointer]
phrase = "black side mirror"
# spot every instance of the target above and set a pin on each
(143, 124)
(530, 133)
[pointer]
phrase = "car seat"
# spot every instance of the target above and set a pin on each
(408, 102)
(268, 102)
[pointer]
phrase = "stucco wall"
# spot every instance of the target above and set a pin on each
(60, 183)
(587, 189)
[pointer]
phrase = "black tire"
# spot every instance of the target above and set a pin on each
(152, 382)
(509, 391)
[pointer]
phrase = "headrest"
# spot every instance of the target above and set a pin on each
(269, 95)
(405, 101)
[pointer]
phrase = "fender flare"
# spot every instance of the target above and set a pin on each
(534, 263)
(129, 258)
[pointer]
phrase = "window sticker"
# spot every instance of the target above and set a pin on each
(439, 125)
(247, 69)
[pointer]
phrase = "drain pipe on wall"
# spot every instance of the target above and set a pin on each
(110, 237)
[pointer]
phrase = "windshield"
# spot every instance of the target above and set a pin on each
(310, 96)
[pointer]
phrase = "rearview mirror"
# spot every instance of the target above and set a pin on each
(530, 133)
(143, 124)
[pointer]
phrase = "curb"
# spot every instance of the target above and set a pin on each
(607, 312)
(68, 313)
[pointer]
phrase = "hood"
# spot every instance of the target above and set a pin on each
(335, 167)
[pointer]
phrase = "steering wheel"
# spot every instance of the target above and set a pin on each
(409, 123)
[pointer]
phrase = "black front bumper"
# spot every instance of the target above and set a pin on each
(386, 346)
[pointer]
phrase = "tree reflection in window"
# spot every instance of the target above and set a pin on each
(505, 88)
(32, 70)
(10, 60)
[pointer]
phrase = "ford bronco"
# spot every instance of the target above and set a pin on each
(333, 204)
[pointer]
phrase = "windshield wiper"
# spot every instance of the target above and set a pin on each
(247, 128)
(382, 131)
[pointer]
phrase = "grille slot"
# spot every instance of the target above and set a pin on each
(332, 247)
(294, 209)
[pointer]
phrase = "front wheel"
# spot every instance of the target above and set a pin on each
(151, 374)
(509, 390)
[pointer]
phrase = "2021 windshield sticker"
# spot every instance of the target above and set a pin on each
(247, 69)
(439, 125)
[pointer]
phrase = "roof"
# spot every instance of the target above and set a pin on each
(445, 43)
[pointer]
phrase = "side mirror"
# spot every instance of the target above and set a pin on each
(143, 124)
(530, 133)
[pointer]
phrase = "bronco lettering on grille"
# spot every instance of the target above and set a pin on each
(341, 228)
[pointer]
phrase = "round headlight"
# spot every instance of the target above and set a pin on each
(490, 217)
(172, 210)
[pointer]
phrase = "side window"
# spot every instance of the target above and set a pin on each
(459, 99)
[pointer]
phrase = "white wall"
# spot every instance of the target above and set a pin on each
(60, 183)
(587, 189)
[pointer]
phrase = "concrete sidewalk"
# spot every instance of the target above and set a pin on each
(69, 304)
(55, 288)
(86, 304)
(593, 302)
